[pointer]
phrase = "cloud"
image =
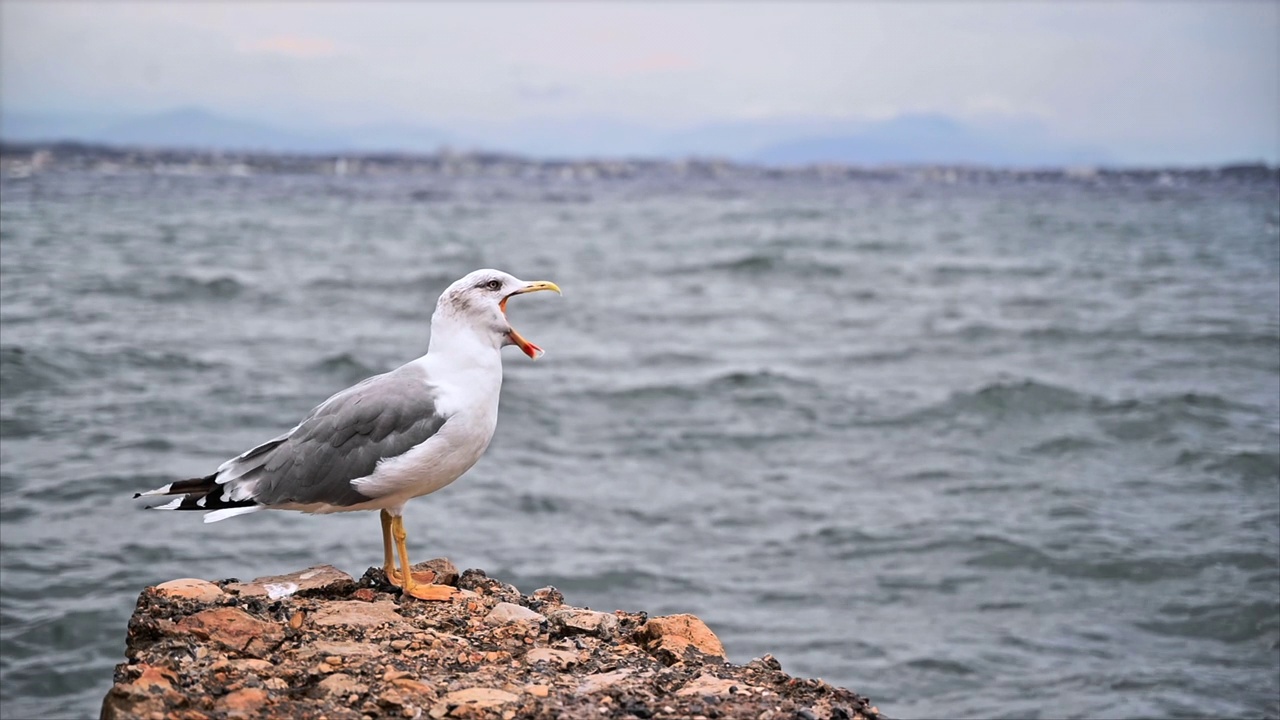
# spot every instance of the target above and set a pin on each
(295, 46)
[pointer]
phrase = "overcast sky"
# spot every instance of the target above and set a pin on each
(1149, 81)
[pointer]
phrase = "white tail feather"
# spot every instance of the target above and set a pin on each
(162, 490)
(223, 514)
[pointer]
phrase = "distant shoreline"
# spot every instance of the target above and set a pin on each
(19, 159)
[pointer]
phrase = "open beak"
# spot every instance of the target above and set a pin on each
(533, 351)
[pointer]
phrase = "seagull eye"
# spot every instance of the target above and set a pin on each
(493, 284)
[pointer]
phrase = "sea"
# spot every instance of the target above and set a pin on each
(975, 449)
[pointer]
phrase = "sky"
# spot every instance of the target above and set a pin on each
(1150, 81)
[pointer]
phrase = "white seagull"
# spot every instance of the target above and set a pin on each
(390, 438)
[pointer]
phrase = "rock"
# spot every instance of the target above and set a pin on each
(202, 591)
(243, 703)
(768, 662)
(485, 653)
(704, 685)
(548, 595)
(344, 648)
(669, 637)
(126, 701)
(601, 681)
(154, 678)
(573, 621)
(505, 612)
(442, 571)
(252, 665)
(342, 684)
(357, 613)
(480, 697)
(560, 658)
(234, 629)
(274, 587)
(414, 686)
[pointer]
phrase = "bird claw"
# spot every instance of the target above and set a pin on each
(393, 576)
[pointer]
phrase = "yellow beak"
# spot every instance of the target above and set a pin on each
(528, 348)
(536, 286)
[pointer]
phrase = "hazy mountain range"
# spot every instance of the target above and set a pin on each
(907, 139)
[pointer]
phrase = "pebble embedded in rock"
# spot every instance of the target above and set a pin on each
(548, 595)
(670, 636)
(320, 577)
(711, 685)
(358, 614)
(442, 571)
(505, 612)
(560, 658)
(344, 648)
(601, 681)
(201, 591)
(574, 621)
(480, 697)
(234, 629)
(244, 703)
(342, 685)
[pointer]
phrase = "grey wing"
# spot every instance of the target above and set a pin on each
(341, 440)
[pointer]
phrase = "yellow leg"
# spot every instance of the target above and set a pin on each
(389, 560)
(410, 586)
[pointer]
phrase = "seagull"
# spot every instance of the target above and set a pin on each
(387, 439)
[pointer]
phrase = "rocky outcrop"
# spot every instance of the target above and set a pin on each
(319, 644)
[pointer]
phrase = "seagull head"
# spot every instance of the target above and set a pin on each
(478, 301)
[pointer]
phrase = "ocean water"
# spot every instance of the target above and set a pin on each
(973, 450)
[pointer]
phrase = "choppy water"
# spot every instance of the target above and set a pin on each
(974, 451)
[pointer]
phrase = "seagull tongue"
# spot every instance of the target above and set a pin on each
(533, 351)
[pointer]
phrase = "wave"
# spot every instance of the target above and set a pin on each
(172, 288)
(740, 383)
(1254, 340)
(1118, 565)
(1248, 465)
(878, 357)
(418, 282)
(997, 401)
(984, 270)
(344, 367)
(22, 371)
(614, 580)
(764, 264)
(1225, 622)
(1216, 339)
(432, 195)
(1028, 400)
(185, 287)
(1065, 445)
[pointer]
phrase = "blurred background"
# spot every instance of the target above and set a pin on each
(933, 347)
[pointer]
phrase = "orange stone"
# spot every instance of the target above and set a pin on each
(155, 678)
(234, 629)
(243, 703)
(670, 635)
(201, 591)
